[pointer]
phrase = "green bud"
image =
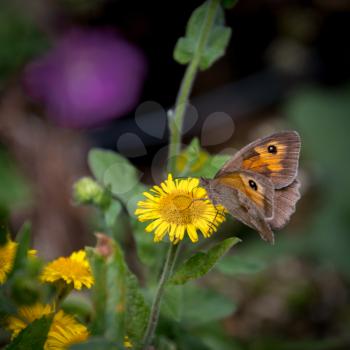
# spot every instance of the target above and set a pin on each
(88, 191)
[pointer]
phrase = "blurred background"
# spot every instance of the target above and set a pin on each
(77, 74)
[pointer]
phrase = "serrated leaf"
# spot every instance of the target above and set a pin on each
(233, 265)
(201, 263)
(137, 310)
(33, 336)
(202, 306)
(217, 39)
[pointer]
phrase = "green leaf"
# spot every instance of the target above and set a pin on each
(112, 213)
(99, 292)
(115, 172)
(213, 165)
(232, 265)
(97, 343)
(23, 239)
(201, 263)
(33, 336)
(201, 306)
(137, 310)
(229, 4)
(172, 302)
(3, 225)
(187, 47)
(195, 161)
(116, 295)
(216, 47)
(149, 252)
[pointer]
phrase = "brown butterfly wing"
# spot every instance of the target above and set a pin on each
(234, 193)
(285, 201)
(258, 188)
(275, 156)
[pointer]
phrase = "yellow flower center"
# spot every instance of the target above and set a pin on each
(182, 202)
(180, 208)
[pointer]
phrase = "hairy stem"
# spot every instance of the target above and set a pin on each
(167, 270)
(176, 121)
(175, 125)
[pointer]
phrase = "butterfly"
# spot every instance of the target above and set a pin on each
(258, 185)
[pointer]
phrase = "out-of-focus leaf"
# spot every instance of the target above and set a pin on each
(201, 306)
(214, 164)
(112, 213)
(216, 46)
(116, 172)
(148, 252)
(274, 343)
(25, 290)
(322, 118)
(233, 265)
(137, 310)
(195, 161)
(187, 47)
(19, 38)
(200, 263)
(192, 159)
(98, 344)
(229, 4)
(23, 239)
(13, 190)
(215, 337)
(4, 214)
(77, 305)
(116, 295)
(166, 344)
(99, 292)
(7, 306)
(33, 336)
(172, 302)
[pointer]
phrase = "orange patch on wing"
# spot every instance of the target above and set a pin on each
(265, 160)
(237, 182)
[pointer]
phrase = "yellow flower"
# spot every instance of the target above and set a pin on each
(127, 342)
(178, 206)
(64, 330)
(73, 270)
(7, 257)
(182, 161)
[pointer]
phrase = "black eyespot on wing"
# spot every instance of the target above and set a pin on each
(253, 185)
(272, 149)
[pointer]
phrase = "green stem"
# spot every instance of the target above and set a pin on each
(154, 315)
(175, 125)
(176, 122)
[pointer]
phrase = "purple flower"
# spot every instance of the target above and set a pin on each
(90, 76)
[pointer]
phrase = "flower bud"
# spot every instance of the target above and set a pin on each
(88, 191)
